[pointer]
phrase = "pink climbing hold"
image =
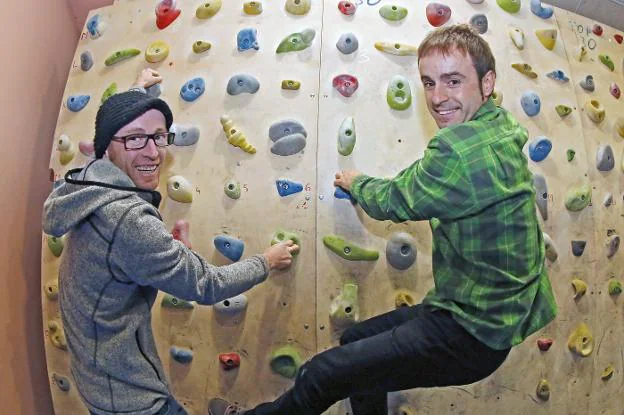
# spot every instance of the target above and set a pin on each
(615, 90)
(544, 343)
(180, 232)
(597, 29)
(229, 361)
(86, 148)
(438, 14)
(166, 13)
(347, 8)
(345, 84)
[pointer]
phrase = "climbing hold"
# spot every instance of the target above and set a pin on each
(291, 84)
(558, 75)
(438, 14)
(247, 39)
(615, 90)
(510, 6)
(185, 135)
(588, 83)
(347, 43)
(234, 305)
(570, 153)
(578, 247)
(531, 103)
(607, 373)
(613, 244)
(181, 354)
(297, 7)
(208, 9)
(595, 111)
(51, 289)
(252, 7)
(179, 189)
(541, 194)
(229, 247)
(200, 46)
(581, 52)
(479, 22)
(289, 145)
(56, 245)
(166, 13)
(608, 200)
(580, 288)
(346, 136)
(406, 409)
(287, 187)
(232, 189)
(619, 126)
(236, 137)
(524, 69)
(77, 102)
(393, 12)
(286, 361)
(618, 38)
(121, 55)
(66, 148)
(403, 298)
(540, 148)
(169, 301)
(578, 198)
(401, 250)
(109, 92)
(398, 49)
(193, 89)
(285, 128)
(347, 8)
(517, 36)
(543, 390)
(399, 93)
(62, 382)
(597, 29)
(282, 236)
(539, 10)
(475, 1)
(86, 60)
(606, 61)
(549, 248)
(229, 361)
(242, 83)
(181, 232)
(547, 37)
(344, 309)
(348, 250)
(615, 287)
(544, 343)
(296, 42)
(57, 336)
(157, 52)
(605, 160)
(563, 110)
(340, 193)
(96, 26)
(581, 341)
(153, 91)
(497, 97)
(345, 84)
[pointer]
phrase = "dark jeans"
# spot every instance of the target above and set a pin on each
(171, 407)
(410, 347)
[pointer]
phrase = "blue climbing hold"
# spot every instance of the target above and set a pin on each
(539, 10)
(181, 354)
(286, 187)
(340, 193)
(77, 102)
(531, 103)
(247, 39)
(229, 247)
(558, 75)
(540, 148)
(193, 89)
(95, 26)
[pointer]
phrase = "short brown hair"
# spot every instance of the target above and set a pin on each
(464, 38)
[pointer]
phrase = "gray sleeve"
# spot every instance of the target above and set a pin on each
(138, 88)
(143, 251)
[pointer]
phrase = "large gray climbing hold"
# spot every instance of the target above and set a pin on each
(232, 305)
(242, 83)
(549, 246)
(86, 60)
(605, 160)
(541, 194)
(184, 135)
(153, 91)
(479, 22)
(613, 244)
(289, 145)
(347, 43)
(578, 247)
(401, 250)
(287, 127)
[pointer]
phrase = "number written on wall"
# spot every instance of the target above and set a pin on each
(583, 34)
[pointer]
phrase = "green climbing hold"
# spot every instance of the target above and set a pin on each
(344, 310)
(615, 287)
(570, 154)
(346, 136)
(348, 250)
(399, 94)
(606, 60)
(109, 92)
(232, 189)
(121, 55)
(286, 361)
(170, 301)
(56, 245)
(578, 198)
(282, 235)
(201, 46)
(563, 110)
(296, 41)
(510, 6)
(393, 12)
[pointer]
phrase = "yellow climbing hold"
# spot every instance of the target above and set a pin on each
(595, 111)
(157, 52)
(524, 69)
(517, 36)
(547, 37)
(580, 288)
(403, 298)
(51, 290)
(66, 148)
(581, 341)
(619, 126)
(607, 373)
(297, 7)
(581, 52)
(291, 84)
(543, 390)
(395, 48)
(235, 137)
(56, 334)
(252, 7)
(179, 189)
(201, 46)
(208, 9)
(344, 310)
(497, 97)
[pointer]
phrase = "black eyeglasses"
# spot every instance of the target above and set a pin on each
(139, 141)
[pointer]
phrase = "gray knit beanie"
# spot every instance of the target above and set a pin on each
(120, 110)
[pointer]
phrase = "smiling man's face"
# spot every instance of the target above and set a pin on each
(451, 86)
(142, 166)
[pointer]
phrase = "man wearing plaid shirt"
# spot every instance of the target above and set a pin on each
(491, 286)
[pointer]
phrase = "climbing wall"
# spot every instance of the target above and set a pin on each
(308, 306)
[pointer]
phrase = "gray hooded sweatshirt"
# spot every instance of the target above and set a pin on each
(117, 255)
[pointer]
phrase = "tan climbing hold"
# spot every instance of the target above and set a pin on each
(179, 189)
(549, 247)
(236, 137)
(297, 7)
(581, 341)
(395, 48)
(208, 9)
(547, 37)
(543, 390)
(580, 53)
(200, 46)
(405, 410)
(580, 288)
(497, 97)
(51, 290)
(517, 36)
(56, 334)
(524, 69)
(595, 111)
(607, 373)
(619, 126)
(252, 7)
(157, 52)
(67, 149)
(403, 298)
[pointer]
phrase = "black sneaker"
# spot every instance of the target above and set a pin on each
(218, 406)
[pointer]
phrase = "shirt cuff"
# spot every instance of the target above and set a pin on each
(356, 185)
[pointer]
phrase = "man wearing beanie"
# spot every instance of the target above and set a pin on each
(118, 254)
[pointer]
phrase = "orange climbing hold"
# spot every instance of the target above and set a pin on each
(229, 361)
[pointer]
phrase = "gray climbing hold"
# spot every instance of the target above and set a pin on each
(62, 382)
(479, 22)
(289, 145)
(541, 194)
(578, 247)
(232, 305)
(86, 60)
(347, 43)
(286, 127)
(613, 244)
(605, 160)
(185, 135)
(153, 91)
(242, 83)
(181, 354)
(549, 246)
(401, 250)
(77, 102)
(588, 83)
(608, 200)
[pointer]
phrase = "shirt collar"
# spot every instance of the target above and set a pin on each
(485, 109)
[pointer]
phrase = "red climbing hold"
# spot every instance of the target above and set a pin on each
(229, 361)
(345, 84)
(597, 29)
(618, 38)
(166, 13)
(438, 14)
(544, 344)
(615, 90)
(347, 7)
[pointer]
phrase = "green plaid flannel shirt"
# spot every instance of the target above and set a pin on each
(474, 186)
